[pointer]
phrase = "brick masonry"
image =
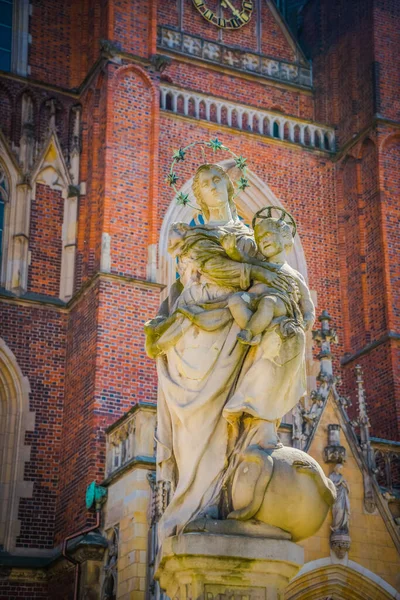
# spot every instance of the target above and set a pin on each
(85, 362)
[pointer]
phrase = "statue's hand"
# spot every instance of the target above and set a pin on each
(151, 325)
(276, 280)
(308, 320)
(228, 243)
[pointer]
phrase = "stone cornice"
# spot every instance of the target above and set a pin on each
(43, 301)
(141, 462)
(389, 335)
(259, 65)
(247, 119)
(138, 406)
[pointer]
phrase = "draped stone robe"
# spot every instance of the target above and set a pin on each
(203, 389)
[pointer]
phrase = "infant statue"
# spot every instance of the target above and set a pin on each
(255, 309)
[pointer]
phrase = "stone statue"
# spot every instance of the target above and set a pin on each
(229, 344)
(341, 507)
(340, 540)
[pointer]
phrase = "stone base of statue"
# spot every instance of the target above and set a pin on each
(208, 566)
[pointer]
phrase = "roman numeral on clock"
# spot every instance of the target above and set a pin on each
(238, 11)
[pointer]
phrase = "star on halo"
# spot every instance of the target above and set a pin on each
(182, 198)
(179, 154)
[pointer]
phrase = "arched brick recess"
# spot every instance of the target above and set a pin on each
(15, 420)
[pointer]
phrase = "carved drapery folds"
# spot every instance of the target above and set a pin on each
(340, 539)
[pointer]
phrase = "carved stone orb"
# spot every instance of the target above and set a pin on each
(282, 487)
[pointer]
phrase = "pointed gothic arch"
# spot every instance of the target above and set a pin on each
(323, 579)
(51, 169)
(253, 198)
(11, 272)
(15, 420)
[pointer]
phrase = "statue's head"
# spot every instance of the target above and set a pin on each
(213, 188)
(273, 236)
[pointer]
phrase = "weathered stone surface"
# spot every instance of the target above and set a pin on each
(208, 566)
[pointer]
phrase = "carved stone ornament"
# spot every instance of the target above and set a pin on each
(340, 544)
(160, 62)
(334, 452)
(243, 60)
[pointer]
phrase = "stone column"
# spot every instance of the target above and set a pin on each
(201, 566)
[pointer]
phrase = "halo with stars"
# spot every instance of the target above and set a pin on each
(216, 146)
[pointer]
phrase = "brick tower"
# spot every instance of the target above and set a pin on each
(95, 96)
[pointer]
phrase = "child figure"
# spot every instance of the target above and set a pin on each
(255, 309)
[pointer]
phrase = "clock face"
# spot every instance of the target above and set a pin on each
(230, 14)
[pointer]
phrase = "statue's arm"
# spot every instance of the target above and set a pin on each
(229, 244)
(306, 303)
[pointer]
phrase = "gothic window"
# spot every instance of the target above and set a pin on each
(4, 197)
(6, 19)
(14, 36)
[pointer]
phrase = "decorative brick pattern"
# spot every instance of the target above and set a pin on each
(220, 54)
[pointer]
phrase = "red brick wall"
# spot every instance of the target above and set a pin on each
(390, 157)
(339, 40)
(134, 26)
(66, 39)
(107, 371)
(387, 58)
(36, 336)
(354, 48)
(78, 448)
(381, 389)
(92, 169)
(231, 88)
(5, 110)
(352, 271)
(375, 308)
(16, 590)
(50, 52)
(131, 162)
(45, 241)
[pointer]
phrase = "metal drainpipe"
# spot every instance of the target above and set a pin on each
(72, 560)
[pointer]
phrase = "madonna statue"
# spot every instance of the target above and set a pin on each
(229, 345)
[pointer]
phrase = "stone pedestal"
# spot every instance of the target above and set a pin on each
(200, 566)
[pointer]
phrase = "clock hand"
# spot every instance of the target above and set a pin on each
(226, 3)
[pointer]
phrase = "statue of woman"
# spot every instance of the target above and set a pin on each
(202, 364)
(341, 507)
